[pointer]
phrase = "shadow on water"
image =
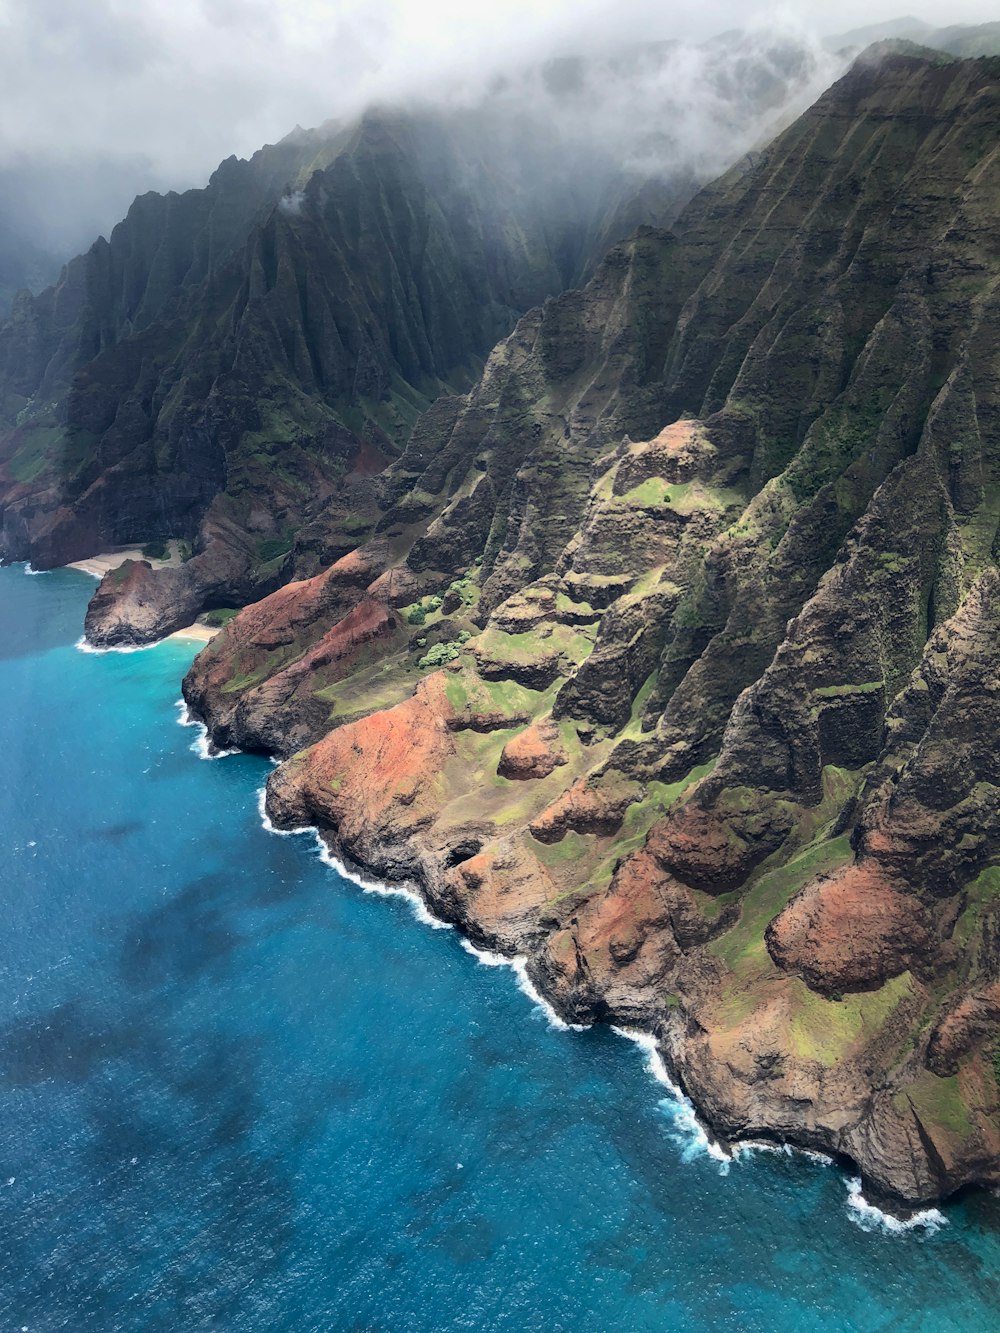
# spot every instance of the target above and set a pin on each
(115, 832)
(186, 936)
(66, 1042)
(178, 1127)
(165, 1109)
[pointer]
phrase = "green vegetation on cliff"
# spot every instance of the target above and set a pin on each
(669, 657)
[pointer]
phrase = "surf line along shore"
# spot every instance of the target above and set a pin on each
(863, 1211)
(689, 1131)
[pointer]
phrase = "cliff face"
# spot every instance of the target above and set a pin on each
(671, 661)
(234, 365)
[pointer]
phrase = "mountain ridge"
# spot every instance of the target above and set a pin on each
(669, 662)
(284, 327)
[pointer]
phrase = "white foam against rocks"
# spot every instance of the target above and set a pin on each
(406, 891)
(747, 1147)
(869, 1218)
(519, 966)
(687, 1130)
(694, 1141)
(202, 745)
(82, 646)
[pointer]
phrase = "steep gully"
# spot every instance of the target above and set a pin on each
(697, 717)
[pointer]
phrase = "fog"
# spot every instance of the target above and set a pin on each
(102, 99)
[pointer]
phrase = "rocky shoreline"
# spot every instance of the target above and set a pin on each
(669, 660)
(430, 911)
(726, 1134)
(885, 1188)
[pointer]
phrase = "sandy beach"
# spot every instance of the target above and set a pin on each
(203, 633)
(99, 565)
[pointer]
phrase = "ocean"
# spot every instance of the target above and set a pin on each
(237, 1091)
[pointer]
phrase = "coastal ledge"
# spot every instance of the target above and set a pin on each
(98, 567)
(197, 632)
(874, 1205)
(124, 613)
(668, 1035)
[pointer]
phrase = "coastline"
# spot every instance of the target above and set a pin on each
(200, 633)
(105, 561)
(99, 565)
(694, 1133)
(727, 1141)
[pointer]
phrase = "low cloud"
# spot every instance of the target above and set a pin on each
(118, 97)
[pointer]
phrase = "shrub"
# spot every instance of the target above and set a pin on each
(269, 548)
(440, 655)
(433, 603)
(220, 616)
(416, 615)
(156, 551)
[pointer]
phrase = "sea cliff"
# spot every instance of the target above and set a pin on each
(669, 661)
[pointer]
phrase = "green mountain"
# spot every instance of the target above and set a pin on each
(235, 362)
(226, 374)
(669, 661)
(265, 336)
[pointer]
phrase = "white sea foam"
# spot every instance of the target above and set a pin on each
(747, 1147)
(407, 891)
(34, 572)
(870, 1218)
(519, 966)
(268, 827)
(688, 1131)
(402, 890)
(202, 746)
(813, 1155)
(82, 646)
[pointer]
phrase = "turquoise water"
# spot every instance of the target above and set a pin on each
(237, 1092)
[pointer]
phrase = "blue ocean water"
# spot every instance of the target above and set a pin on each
(237, 1092)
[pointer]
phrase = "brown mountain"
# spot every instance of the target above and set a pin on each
(671, 660)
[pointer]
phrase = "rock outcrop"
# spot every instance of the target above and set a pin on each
(671, 660)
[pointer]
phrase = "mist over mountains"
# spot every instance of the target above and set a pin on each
(101, 105)
(342, 279)
(660, 111)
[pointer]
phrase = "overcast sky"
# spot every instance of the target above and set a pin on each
(160, 90)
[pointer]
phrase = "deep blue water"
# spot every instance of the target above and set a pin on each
(237, 1092)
